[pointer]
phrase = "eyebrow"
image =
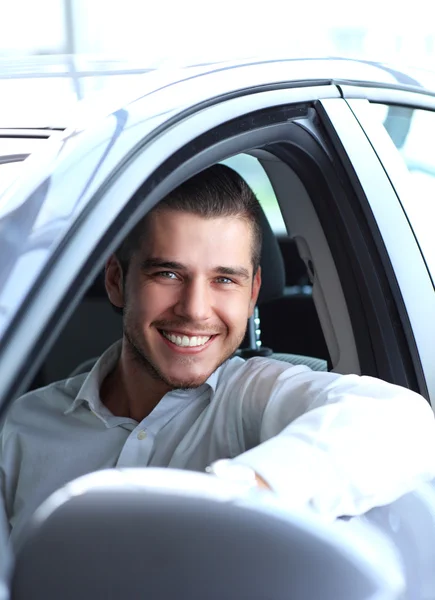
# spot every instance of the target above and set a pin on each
(160, 263)
(233, 271)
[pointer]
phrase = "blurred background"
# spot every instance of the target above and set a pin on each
(191, 30)
(41, 84)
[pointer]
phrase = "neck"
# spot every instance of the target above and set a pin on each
(130, 390)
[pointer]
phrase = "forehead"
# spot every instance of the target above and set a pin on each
(185, 236)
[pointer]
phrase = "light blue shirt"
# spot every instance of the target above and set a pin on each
(340, 444)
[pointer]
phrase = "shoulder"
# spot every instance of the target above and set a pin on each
(259, 367)
(258, 377)
(270, 378)
(39, 404)
(265, 381)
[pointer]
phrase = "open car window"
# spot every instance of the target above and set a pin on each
(253, 173)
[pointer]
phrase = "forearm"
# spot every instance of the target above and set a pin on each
(351, 452)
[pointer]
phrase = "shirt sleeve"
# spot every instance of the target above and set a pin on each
(342, 444)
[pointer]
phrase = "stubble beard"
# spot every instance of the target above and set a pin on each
(134, 338)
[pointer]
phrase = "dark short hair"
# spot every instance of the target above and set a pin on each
(218, 191)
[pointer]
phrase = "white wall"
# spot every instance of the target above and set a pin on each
(174, 30)
(29, 25)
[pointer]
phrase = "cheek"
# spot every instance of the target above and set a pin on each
(150, 301)
(234, 310)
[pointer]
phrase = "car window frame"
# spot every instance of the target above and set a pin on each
(419, 310)
(116, 207)
(104, 222)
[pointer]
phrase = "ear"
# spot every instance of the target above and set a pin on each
(256, 284)
(114, 281)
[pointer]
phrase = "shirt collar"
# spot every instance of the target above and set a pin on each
(212, 381)
(90, 389)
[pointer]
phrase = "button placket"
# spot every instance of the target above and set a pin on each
(137, 449)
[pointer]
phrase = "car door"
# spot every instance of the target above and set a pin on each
(399, 125)
(111, 174)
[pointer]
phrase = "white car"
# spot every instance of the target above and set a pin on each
(340, 154)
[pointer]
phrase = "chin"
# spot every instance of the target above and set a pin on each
(179, 384)
(186, 382)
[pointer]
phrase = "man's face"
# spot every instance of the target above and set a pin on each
(189, 292)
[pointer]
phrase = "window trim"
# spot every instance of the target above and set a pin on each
(377, 180)
(423, 99)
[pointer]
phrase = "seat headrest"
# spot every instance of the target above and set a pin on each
(167, 533)
(272, 265)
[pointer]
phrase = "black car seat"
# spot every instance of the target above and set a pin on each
(299, 326)
(173, 535)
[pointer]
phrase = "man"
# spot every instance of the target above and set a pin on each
(172, 394)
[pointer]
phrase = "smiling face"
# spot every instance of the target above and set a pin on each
(189, 292)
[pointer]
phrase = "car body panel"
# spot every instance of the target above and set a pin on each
(57, 83)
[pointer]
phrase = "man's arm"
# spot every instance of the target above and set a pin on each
(343, 444)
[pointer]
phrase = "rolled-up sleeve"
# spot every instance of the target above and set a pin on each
(342, 444)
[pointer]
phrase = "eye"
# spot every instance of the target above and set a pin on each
(166, 275)
(224, 280)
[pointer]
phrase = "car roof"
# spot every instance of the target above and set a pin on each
(55, 84)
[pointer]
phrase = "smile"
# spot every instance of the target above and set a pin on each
(185, 341)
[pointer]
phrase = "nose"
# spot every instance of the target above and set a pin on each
(194, 302)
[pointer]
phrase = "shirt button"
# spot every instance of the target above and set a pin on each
(141, 435)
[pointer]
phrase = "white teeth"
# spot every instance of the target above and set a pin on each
(185, 341)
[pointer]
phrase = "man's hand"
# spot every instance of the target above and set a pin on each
(261, 483)
(238, 473)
